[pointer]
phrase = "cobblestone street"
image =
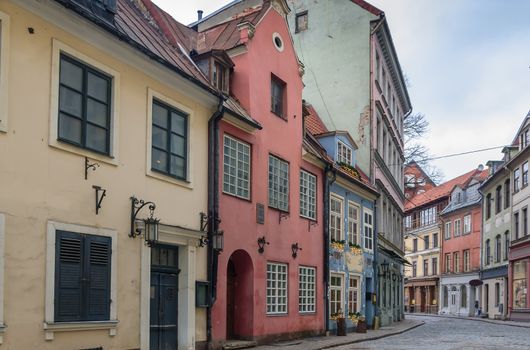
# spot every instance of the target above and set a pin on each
(452, 333)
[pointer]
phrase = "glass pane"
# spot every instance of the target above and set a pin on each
(97, 87)
(71, 75)
(163, 256)
(178, 167)
(70, 102)
(69, 128)
(159, 137)
(96, 138)
(178, 145)
(159, 160)
(97, 112)
(178, 123)
(155, 258)
(170, 257)
(159, 116)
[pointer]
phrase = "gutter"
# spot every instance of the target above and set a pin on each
(329, 170)
(213, 209)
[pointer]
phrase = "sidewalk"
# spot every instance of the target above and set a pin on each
(319, 343)
(486, 320)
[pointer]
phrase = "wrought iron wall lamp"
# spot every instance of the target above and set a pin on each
(150, 224)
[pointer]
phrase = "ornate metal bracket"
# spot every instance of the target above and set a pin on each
(283, 215)
(311, 223)
(205, 220)
(136, 206)
(88, 165)
(99, 198)
(203, 241)
(261, 244)
(295, 248)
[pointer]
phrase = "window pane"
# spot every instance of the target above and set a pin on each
(69, 128)
(178, 145)
(97, 112)
(178, 167)
(71, 75)
(178, 123)
(96, 138)
(70, 102)
(159, 160)
(159, 116)
(97, 87)
(159, 137)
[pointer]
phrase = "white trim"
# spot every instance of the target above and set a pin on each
(343, 298)
(358, 221)
(335, 196)
(275, 304)
(49, 306)
(152, 94)
(59, 47)
(371, 213)
(278, 36)
(305, 284)
(237, 161)
(2, 267)
(309, 200)
(4, 65)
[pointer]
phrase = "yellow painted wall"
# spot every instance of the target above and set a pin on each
(40, 183)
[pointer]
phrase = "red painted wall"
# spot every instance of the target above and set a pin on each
(250, 84)
(465, 241)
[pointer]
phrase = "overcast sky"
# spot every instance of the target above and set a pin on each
(468, 64)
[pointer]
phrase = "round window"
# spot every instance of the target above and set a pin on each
(278, 42)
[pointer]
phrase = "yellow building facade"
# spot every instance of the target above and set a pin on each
(48, 187)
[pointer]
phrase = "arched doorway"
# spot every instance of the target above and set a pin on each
(239, 296)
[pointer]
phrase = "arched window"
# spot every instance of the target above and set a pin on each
(487, 252)
(498, 248)
(506, 193)
(446, 297)
(488, 206)
(463, 296)
(498, 199)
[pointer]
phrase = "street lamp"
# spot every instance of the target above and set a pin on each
(150, 230)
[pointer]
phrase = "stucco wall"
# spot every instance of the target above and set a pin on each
(41, 183)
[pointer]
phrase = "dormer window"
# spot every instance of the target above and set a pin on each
(220, 76)
(525, 138)
(344, 153)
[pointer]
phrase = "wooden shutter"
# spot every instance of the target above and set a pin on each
(68, 276)
(97, 265)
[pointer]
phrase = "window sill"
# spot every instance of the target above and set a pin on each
(167, 178)
(236, 196)
(84, 152)
(51, 327)
(278, 315)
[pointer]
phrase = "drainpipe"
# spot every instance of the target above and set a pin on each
(329, 178)
(374, 263)
(213, 209)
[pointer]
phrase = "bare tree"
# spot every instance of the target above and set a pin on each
(414, 128)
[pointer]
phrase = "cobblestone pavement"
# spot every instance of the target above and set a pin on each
(441, 333)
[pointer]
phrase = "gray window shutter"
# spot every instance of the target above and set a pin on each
(98, 262)
(68, 277)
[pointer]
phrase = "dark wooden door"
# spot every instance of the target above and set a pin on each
(230, 300)
(422, 299)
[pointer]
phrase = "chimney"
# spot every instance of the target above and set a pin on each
(199, 15)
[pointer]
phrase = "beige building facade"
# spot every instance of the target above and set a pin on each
(52, 215)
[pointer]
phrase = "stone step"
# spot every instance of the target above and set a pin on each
(239, 344)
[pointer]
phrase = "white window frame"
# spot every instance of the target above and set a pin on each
(337, 288)
(341, 149)
(352, 291)
(448, 233)
(457, 224)
(4, 65)
(368, 230)
(240, 166)
(59, 48)
(307, 289)
(335, 218)
(50, 326)
(308, 195)
(467, 224)
(467, 261)
(273, 306)
(281, 200)
(354, 236)
(154, 95)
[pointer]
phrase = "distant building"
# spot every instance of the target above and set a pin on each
(461, 227)
(423, 239)
(346, 47)
(416, 181)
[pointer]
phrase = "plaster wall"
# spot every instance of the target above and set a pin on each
(43, 183)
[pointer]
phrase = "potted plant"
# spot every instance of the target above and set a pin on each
(355, 248)
(341, 322)
(337, 245)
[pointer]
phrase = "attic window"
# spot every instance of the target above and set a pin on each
(220, 76)
(301, 22)
(278, 42)
(344, 153)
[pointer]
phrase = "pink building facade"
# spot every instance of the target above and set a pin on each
(270, 272)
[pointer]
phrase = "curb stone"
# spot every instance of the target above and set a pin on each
(499, 322)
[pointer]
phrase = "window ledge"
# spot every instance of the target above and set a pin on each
(51, 327)
(170, 179)
(107, 159)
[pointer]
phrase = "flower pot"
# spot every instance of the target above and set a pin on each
(341, 326)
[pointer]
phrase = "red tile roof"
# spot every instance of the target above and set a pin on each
(368, 7)
(439, 191)
(313, 123)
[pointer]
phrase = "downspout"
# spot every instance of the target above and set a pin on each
(374, 263)
(213, 209)
(328, 171)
